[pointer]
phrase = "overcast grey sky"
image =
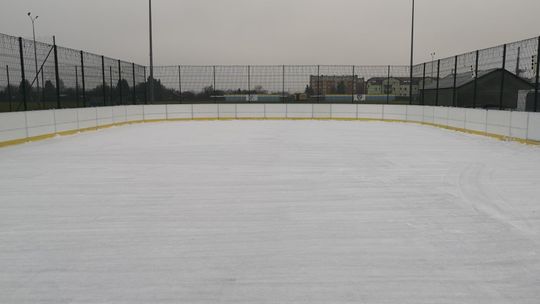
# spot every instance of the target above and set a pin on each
(363, 32)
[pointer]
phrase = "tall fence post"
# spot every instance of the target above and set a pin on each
(57, 73)
(283, 84)
(134, 90)
(180, 83)
(537, 77)
(9, 89)
(438, 78)
(43, 84)
(249, 83)
(151, 92)
(503, 71)
(353, 84)
(119, 85)
(454, 89)
(411, 84)
(319, 93)
(214, 84)
(518, 62)
(145, 87)
(387, 88)
(23, 77)
(104, 81)
(83, 80)
(111, 87)
(77, 85)
(475, 93)
(424, 85)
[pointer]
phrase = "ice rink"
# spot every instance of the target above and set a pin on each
(270, 212)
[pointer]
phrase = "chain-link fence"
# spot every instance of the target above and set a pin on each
(324, 83)
(503, 77)
(43, 76)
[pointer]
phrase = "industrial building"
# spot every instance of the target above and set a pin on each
(488, 86)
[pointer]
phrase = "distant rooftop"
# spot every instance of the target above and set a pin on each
(461, 79)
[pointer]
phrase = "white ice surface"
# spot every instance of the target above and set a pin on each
(270, 212)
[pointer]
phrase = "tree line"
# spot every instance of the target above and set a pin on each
(121, 93)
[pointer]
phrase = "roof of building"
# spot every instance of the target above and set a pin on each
(464, 79)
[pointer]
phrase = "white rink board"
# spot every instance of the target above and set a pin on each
(205, 111)
(519, 124)
(415, 113)
(180, 111)
(429, 115)
(155, 112)
(105, 116)
(20, 125)
(370, 111)
(87, 118)
(40, 123)
(12, 126)
(227, 111)
(344, 111)
(456, 117)
(119, 114)
(440, 116)
(300, 111)
(251, 111)
(498, 122)
(66, 120)
(534, 126)
(270, 212)
(476, 120)
(322, 111)
(395, 112)
(134, 113)
(276, 110)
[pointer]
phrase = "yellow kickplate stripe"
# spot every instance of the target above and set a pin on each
(65, 133)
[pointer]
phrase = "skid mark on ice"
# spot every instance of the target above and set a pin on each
(474, 185)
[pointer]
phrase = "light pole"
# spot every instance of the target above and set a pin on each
(412, 56)
(33, 19)
(151, 86)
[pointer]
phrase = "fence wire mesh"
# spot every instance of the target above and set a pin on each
(34, 77)
(502, 77)
(39, 76)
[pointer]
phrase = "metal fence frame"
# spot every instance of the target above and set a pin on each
(68, 78)
(71, 78)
